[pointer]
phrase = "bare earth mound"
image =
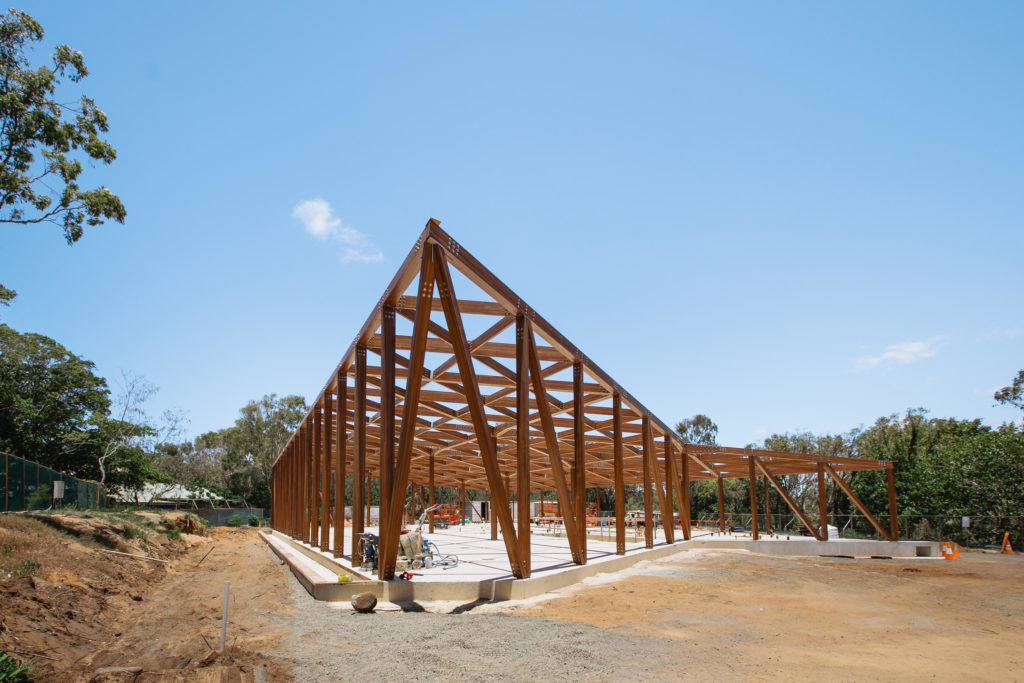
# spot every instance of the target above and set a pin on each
(697, 614)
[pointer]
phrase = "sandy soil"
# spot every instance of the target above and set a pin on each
(740, 615)
(174, 633)
(699, 614)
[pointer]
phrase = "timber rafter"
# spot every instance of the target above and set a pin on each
(464, 363)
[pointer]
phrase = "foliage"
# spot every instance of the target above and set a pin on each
(7, 296)
(698, 429)
(237, 462)
(32, 119)
(1013, 394)
(54, 411)
(233, 521)
(254, 520)
(944, 466)
(13, 670)
(50, 401)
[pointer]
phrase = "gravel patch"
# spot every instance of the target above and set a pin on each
(332, 642)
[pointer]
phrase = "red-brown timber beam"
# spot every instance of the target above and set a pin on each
(325, 474)
(431, 475)
(309, 485)
(663, 506)
(648, 503)
(522, 446)
(554, 454)
(751, 459)
(620, 486)
(721, 503)
(857, 501)
(822, 504)
(360, 495)
(684, 498)
(339, 471)
(390, 496)
(579, 463)
(389, 552)
(672, 482)
(769, 477)
(894, 520)
(479, 417)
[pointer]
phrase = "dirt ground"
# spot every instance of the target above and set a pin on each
(740, 615)
(697, 614)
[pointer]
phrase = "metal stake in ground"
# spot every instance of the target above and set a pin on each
(224, 619)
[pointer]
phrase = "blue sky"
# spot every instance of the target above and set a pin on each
(788, 216)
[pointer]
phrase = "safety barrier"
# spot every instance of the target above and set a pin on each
(27, 485)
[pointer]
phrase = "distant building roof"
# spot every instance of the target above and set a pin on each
(167, 494)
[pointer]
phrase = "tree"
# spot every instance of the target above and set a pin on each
(1013, 394)
(54, 411)
(45, 189)
(946, 468)
(50, 400)
(252, 444)
(803, 488)
(698, 429)
(7, 296)
(127, 432)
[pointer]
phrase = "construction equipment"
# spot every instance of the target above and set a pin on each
(368, 550)
(424, 554)
(549, 511)
(449, 513)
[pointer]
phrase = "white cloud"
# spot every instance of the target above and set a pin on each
(319, 220)
(899, 354)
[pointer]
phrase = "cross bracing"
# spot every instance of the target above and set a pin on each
(454, 380)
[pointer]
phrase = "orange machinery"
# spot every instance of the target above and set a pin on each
(449, 512)
(549, 508)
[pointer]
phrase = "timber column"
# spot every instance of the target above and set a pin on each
(822, 503)
(620, 486)
(388, 497)
(341, 437)
(522, 447)
(359, 457)
(684, 499)
(648, 502)
(325, 502)
(579, 484)
(753, 496)
(894, 520)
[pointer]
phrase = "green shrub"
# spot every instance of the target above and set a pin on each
(254, 520)
(234, 520)
(13, 670)
(27, 567)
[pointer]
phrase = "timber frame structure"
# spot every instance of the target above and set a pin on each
(450, 404)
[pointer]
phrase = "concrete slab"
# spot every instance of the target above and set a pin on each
(483, 571)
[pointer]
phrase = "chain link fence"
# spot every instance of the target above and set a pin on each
(27, 485)
(976, 531)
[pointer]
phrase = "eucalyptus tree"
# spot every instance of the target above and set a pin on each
(43, 140)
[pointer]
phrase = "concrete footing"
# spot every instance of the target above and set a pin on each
(837, 547)
(319, 574)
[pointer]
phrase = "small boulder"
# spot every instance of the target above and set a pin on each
(364, 602)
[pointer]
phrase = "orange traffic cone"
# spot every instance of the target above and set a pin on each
(947, 551)
(1006, 549)
(956, 551)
